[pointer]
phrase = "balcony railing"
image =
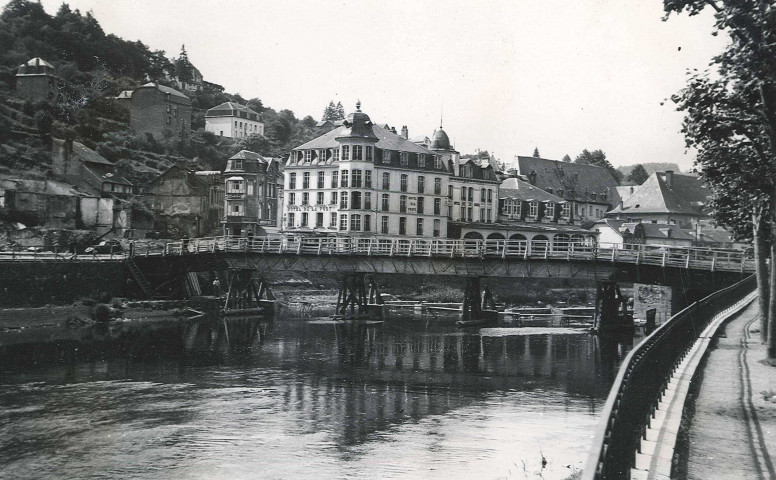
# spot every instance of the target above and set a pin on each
(663, 256)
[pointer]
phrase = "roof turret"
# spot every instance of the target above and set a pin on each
(358, 125)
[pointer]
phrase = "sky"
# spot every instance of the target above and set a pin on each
(506, 76)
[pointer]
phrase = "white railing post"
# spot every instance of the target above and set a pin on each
(714, 261)
(665, 253)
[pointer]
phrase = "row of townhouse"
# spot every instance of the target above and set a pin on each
(363, 178)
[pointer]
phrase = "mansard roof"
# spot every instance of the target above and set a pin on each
(386, 140)
(229, 109)
(577, 181)
(515, 188)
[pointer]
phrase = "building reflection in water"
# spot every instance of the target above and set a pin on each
(350, 379)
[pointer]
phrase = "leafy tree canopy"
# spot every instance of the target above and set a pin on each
(638, 175)
(598, 158)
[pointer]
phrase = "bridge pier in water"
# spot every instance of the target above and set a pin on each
(359, 297)
(244, 296)
(478, 305)
(611, 309)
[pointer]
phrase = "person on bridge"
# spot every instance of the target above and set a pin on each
(216, 287)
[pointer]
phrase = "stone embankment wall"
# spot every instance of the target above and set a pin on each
(42, 283)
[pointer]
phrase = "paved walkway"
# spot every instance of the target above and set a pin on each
(733, 432)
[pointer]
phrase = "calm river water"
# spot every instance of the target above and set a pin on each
(296, 398)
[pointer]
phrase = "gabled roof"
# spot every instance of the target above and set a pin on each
(84, 153)
(386, 140)
(577, 181)
(521, 190)
(247, 155)
(686, 195)
(123, 95)
(165, 89)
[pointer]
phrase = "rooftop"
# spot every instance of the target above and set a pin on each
(576, 181)
(521, 190)
(667, 192)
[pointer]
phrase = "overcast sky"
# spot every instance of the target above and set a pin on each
(509, 76)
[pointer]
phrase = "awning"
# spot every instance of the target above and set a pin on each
(235, 179)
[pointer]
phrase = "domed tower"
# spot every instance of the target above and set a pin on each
(440, 144)
(358, 126)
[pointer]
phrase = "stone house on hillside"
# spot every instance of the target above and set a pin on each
(233, 120)
(86, 169)
(37, 80)
(618, 232)
(160, 111)
(186, 202)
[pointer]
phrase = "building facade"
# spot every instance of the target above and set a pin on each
(587, 187)
(233, 120)
(362, 179)
(251, 195)
(36, 80)
(160, 111)
(186, 202)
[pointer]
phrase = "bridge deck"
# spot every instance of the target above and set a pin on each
(664, 256)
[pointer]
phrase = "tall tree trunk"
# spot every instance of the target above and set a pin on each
(772, 297)
(761, 268)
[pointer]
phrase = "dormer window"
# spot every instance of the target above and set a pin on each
(533, 209)
(322, 155)
(335, 155)
(345, 152)
(237, 164)
(403, 159)
(593, 196)
(421, 161)
(358, 152)
(387, 157)
(438, 163)
(550, 213)
(565, 210)
(369, 150)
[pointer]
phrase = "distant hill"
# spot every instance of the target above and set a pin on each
(650, 168)
(96, 66)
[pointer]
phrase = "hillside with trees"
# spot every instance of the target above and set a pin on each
(97, 66)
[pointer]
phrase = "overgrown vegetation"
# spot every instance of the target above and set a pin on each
(96, 67)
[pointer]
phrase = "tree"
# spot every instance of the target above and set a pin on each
(598, 158)
(536, 153)
(566, 158)
(183, 66)
(744, 79)
(333, 112)
(638, 175)
(329, 112)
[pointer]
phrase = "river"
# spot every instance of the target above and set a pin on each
(296, 398)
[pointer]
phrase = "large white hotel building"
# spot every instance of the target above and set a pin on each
(364, 178)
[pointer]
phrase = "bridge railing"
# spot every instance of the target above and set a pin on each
(682, 257)
(642, 379)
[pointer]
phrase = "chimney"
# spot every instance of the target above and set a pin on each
(631, 189)
(622, 205)
(669, 178)
(404, 132)
(37, 62)
(532, 177)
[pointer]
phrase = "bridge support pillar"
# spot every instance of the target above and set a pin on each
(244, 296)
(611, 309)
(353, 299)
(478, 306)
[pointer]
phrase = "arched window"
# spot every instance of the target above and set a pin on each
(561, 242)
(473, 236)
(539, 244)
(495, 236)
